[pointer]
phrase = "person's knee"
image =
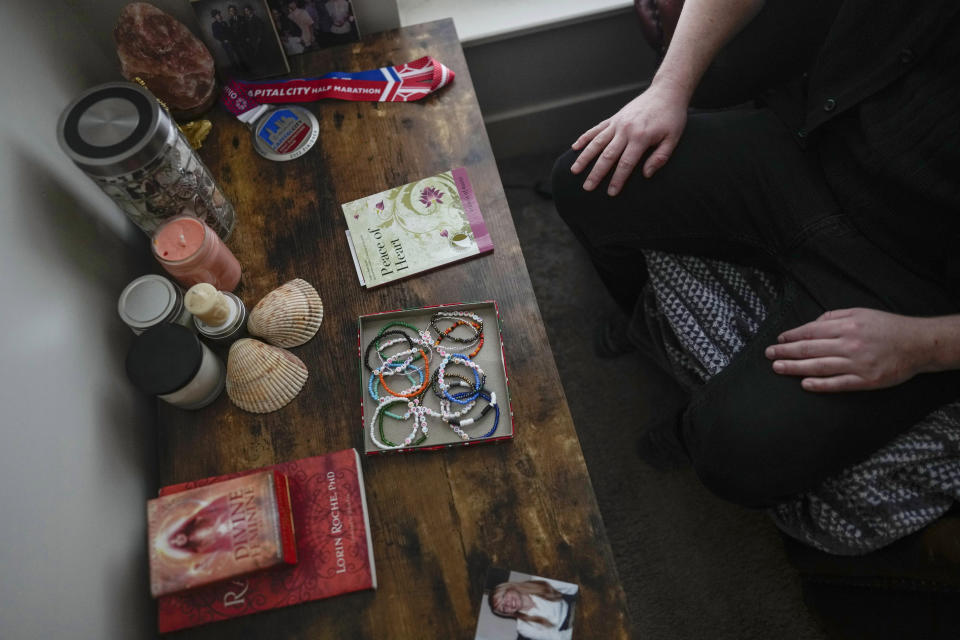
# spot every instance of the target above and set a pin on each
(565, 184)
(733, 480)
(739, 457)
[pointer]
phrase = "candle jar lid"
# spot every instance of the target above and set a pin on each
(149, 300)
(164, 358)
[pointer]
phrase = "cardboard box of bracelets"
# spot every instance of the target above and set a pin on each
(405, 357)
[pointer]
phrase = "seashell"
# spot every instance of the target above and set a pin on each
(288, 316)
(262, 378)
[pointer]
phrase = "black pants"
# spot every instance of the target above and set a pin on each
(738, 188)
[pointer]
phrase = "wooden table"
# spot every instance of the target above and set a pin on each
(439, 519)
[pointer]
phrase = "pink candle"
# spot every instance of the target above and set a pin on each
(191, 252)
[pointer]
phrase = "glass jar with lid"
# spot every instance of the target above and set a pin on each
(118, 135)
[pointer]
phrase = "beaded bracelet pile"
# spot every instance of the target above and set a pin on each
(457, 317)
(445, 336)
(385, 331)
(392, 367)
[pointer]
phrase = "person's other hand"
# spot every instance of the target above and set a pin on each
(850, 350)
(652, 122)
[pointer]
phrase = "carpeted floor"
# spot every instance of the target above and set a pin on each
(693, 567)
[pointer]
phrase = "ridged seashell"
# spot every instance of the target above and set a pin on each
(288, 316)
(262, 378)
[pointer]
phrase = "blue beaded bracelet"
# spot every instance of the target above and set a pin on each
(478, 381)
(491, 398)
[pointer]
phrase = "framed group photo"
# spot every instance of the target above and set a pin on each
(242, 38)
(307, 25)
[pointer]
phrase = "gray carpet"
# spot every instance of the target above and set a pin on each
(692, 566)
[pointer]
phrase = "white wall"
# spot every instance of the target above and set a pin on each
(483, 22)
(584, 72)
(77, 443)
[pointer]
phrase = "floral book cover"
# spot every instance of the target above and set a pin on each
(414, 228)
(334, 549)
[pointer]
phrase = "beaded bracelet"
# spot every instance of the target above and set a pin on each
(396, 323)
(375, 343)
(445, 413)
(377, 416)
(390, 360)
(478, 374)
(456, 315)
(478, 338)
(457, 425)
(406, 416)
(374, 382)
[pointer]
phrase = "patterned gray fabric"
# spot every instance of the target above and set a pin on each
(707, 310)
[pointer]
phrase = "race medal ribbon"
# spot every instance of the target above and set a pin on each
(403, 83)
(287, 133)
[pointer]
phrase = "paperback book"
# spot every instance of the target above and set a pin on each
(419, 226)
(219, 531)
(334, 549)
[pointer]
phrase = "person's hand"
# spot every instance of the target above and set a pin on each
(851, 350)
(652, 122)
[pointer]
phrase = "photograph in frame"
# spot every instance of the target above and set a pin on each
(242, 38)
(522, 606)
(308, 25)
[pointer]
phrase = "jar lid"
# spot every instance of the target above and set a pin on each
(149, 300)
(231, 327)
(164, 358)
(113, 128)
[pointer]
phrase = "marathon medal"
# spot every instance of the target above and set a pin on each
(279, 133)
(286, 132)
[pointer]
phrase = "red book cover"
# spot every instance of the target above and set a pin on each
(219, 531)
(335, 553)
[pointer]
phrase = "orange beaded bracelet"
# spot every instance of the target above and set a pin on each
(412, 394)
(477, 327)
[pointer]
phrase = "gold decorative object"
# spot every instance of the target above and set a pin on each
(196, 132)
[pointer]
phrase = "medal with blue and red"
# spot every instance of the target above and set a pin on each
(293, 130)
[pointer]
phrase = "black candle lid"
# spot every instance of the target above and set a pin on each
(164, 358)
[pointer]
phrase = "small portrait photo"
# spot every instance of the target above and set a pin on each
(520, 606)
(241, 37)
(308, 25)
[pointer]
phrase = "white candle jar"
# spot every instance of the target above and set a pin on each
(169, 361)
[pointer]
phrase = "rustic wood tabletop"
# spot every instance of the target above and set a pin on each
(440, 519)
